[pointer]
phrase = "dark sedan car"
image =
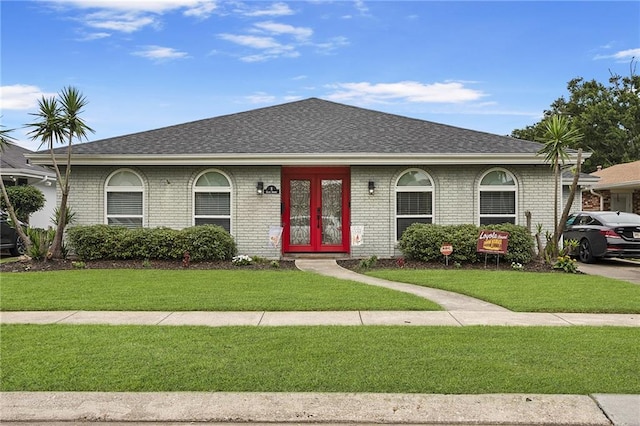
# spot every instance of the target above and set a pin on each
(604, 234)
(9, 239)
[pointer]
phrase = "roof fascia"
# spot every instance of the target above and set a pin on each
(634, 184)
(28, 173)
(296, 159)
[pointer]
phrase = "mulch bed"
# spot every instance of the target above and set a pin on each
(353, 264)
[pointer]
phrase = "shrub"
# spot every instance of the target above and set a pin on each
(41, 240)
(25, 199)
(423, 241)
(95, 242)
(206, 242)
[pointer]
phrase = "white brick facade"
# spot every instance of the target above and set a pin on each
(168, 200)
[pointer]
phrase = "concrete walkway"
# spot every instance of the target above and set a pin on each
(448, 300)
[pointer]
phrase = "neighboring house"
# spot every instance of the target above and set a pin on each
(584, 182)
(335, 178)
(16, 169)
(618, 188)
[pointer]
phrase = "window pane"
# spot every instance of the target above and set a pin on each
(212, 179)
(213, 203)
(494, 202)
(124, 203)
(405, 222)
(225, 223)
(414, 178)
(413, 203)
(124, 178)
(497, 177)
(129, 222)
(496, 220)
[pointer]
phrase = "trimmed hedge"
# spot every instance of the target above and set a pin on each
(423, 241)
(105, 242)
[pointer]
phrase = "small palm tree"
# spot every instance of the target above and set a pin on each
(59, 121)
(558, 137)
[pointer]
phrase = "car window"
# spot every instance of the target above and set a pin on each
(571, 220)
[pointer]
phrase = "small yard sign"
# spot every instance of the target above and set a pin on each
(446, 249)
(492, 242)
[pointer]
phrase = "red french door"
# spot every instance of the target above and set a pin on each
(315, 214)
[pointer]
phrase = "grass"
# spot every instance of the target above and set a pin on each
(197, 290)
(528, 292)
(467, 360)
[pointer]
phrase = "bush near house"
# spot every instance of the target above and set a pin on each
(105, 242)
(423, 241)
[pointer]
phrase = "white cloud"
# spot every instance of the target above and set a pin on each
(409, 91)
(131, 16)
(260, 98)
(622, 55)
(300, 33)
(270, 47)
(94, 36)
(159, 53)
(21, 96)
(126, 23)
(276, 9)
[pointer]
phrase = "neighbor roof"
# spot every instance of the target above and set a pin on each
(311, 130)
(13, 162)
(618, 176)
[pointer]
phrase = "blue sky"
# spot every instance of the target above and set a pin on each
(488, 66)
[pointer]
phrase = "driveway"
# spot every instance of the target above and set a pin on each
(614, 268)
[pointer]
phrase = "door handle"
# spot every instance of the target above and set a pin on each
(318, 217)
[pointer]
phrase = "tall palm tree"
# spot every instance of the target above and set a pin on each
(558, 137)
(59, 121)
(4, 139)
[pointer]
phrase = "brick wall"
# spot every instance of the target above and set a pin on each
(169, 200)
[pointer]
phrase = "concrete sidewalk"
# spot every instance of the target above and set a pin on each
(302, 318)
(318, 408)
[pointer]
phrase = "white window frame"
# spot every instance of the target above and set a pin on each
(214, 189)
(498, 188)
(397, 188)
(108, 189)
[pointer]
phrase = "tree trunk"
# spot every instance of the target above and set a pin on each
(55, 252)
(555, 210)
(572, 194)
(12, 214)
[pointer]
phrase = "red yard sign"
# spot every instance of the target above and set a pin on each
(446, 249)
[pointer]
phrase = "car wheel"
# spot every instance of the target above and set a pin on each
(584, 252)
(19, 249)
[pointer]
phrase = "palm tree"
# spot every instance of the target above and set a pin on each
(558, 137)
(59, 121)
(4, 139)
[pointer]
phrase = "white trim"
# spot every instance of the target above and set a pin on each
(140, 189)
(299, 159)
(218, 189)
(498, 188)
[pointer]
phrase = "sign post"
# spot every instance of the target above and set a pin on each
(446, 249)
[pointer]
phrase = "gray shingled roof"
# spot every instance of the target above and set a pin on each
(13, 161)
(308, 126)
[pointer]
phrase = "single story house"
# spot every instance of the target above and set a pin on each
(617, 189)
(311, 176)
(16, 169)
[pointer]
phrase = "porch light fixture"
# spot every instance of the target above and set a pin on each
(260, 188)
(372, 187)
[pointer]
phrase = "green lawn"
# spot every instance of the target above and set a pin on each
(528, 291)
(195, 290)
(465, 360)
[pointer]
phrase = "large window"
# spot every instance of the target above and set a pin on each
(498, 194)
(124, 194)
(212, 200)
(414, 200)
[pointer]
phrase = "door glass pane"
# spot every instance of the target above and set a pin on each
(300, 202)
(332, 211)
